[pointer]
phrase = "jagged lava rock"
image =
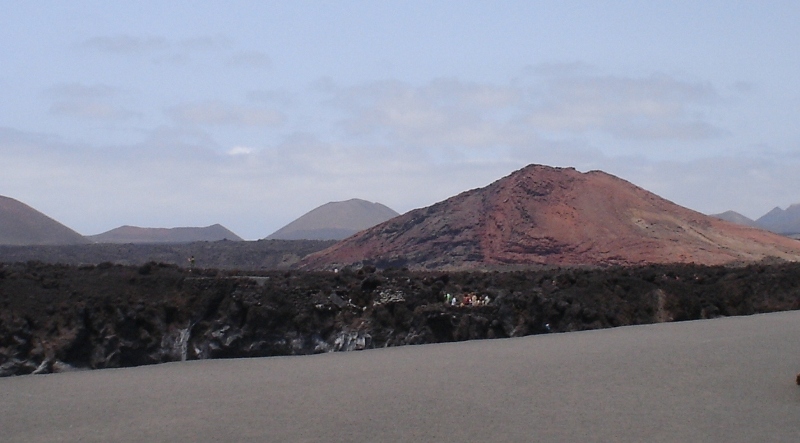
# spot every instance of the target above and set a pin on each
(554, 216)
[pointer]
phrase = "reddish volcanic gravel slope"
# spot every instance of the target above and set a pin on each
(554, 216)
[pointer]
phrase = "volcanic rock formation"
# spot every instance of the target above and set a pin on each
(554, 216)
(58, 318)
(335, 221)
(134, 234)
(22, 225)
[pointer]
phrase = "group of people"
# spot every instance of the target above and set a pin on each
(470, 299)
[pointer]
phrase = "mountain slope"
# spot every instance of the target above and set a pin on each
(781, 221)
(545, 215)
(22, 225)
(335, 221)
(134, 234)
(734, 217)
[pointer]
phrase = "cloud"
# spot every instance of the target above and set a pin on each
(219, 113)
(569, 103)
(126, 44)
(403, 144)
(444, 112)
(91, 110)
(172, 58)
(156, 182)
(240, 150)
(178, 141)
(206, 43)
(177, 52)
(249, 59)
(560, 69)
(80, 91)
(86, 101)
(279, 98)
(742, 87)
(655, 108)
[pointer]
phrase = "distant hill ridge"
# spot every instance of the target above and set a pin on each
(135, 234)
(781, 221)
(21, 225)
(335, 221)
(735, 217)
(542, 215)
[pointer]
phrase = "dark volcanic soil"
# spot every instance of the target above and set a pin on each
(61, 317)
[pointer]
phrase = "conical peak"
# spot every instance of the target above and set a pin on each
(548, 215)
(536, 170)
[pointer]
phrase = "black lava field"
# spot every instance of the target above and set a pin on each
(58, 318)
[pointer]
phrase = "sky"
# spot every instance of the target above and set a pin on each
(252, 113)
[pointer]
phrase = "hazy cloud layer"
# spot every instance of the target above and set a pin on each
(135, 45)
(91, 110)
(176, 113)
(80, 91)
(206, 43)
(276, 98)
(164, 51)
(628, 108)
(406, 145)
(87, 102)
(126, 44)
(256, 191)
(251, 192)
(445, 113)
(249, 59)
(449, 113)
(264, 153)
(219, 113)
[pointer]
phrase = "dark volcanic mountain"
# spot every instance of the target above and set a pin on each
(735, 217)
(335, 221)
(133, 234)
(545, 215)
(782, 221)
(22, 225)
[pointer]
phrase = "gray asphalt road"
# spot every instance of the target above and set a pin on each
(724, 380)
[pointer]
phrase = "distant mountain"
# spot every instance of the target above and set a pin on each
(22, 225)
(335, 221)
(541, 215)
(735, 217)
(250, 255)
(782, 221)
(134, 234)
